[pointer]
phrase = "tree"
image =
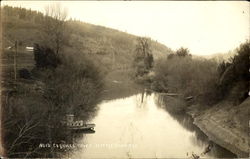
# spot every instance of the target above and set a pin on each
(234, 75)
(54, 26)
(143, 60)
(182, 52)
(241, 62)
(45, 57)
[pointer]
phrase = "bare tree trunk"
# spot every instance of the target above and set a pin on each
(15, 61)
(54, 26)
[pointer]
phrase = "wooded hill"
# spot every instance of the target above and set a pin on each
(110, 47)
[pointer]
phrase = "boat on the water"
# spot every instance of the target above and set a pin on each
(78, 124)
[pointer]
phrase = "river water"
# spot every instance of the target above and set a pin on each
(139, 126)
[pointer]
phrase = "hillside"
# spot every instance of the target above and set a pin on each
(112, 51)
(112, 48)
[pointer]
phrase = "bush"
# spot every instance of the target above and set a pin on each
(241, 62)
(238, 92)
(74, 85)
(182, 52)
(24, 73)
(179, 73)
(235, 72)
(45, 57)
(203, 79)
(24, 123)
(186, 76)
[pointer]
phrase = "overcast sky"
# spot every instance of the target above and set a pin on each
(204, 27)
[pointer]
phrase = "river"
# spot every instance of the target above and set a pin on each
(139, 126)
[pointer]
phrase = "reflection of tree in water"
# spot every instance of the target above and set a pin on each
(186, 122)
(141, 102)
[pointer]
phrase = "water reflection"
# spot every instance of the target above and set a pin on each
(141, 126)
(186, 122)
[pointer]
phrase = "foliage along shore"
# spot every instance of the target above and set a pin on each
(215, 94)
(207, 86)
(44, 86)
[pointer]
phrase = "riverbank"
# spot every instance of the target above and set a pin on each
(225, 124)
(34, 103)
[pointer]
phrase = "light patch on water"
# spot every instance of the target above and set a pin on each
(130, 128)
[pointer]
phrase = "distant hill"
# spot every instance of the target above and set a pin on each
(110, 47)
(218, 57)
(222, 56)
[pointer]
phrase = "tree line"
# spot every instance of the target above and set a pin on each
(206, 80)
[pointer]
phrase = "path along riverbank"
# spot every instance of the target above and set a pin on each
(225, 124)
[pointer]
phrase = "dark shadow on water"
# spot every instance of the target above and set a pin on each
(88, 131)
(186, 122)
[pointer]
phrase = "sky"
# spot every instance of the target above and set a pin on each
(204, 27)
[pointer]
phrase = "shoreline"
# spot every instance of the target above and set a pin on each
(215, 122)
(221, 124)
(217, 135)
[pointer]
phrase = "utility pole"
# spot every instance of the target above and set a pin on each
(15, 60)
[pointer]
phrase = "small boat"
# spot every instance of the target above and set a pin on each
(77, 125)
(83, 127)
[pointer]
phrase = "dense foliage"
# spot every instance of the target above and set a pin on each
(234, 75)
(185, 76)
(60, 83)
(45, 57)
(204, 79)
(23, 14)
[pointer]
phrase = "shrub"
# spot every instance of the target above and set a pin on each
(241, 62)
(45, 57)
(186, 76)
(74, 86)
(24, 73)
(182, 52)
(236, 72)
(202, 78)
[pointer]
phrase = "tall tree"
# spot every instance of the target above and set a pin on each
(182, 52)
(54, 26)
(143, 60)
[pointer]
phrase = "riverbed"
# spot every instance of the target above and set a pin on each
(140, 126)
